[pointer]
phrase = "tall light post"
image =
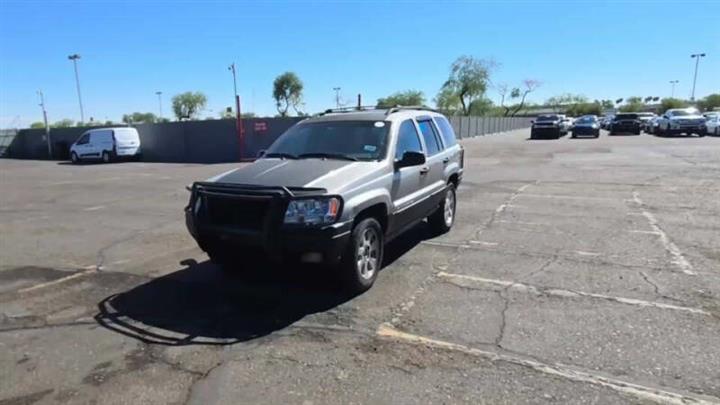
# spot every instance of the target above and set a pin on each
(697, 57)
(74, 57)
(159, 94)
(238, 119)
(672, 91)
(47, 127)
(337, 97)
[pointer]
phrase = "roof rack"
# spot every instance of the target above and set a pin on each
(408, 107)
(348, 109)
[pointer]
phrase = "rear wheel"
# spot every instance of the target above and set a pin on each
(443, 218)
(362, 259)
(106, 157)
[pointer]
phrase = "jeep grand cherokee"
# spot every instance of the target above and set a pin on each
(334, 188)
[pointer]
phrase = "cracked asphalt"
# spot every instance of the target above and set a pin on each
(578, 271)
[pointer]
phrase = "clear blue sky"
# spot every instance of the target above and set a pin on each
(131, 49)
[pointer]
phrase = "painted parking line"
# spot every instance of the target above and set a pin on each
(562, 293)
(658, 395)
(444, 244)
(570, 197)
(678, 258)
(59, 280)
(95, 208)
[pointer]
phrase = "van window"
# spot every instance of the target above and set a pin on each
(408, 140)
(430, 137)
(446, 130)
(83, 139)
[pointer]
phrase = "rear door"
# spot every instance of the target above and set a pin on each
(433, 182)
(453, 153)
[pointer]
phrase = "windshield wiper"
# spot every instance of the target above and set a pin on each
(280, 155)
(337, 156)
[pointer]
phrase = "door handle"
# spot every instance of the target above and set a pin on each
(424, 170)
(446, 160)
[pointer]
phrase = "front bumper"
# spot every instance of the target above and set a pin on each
(272, 238)
(696, 129)
(545, 132)
(620, 128)
(585, 131)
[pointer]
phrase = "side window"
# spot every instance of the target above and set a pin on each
(446, 130)
(408, 140)
(84, 139)
(428, 134)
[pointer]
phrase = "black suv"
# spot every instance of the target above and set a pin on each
(626, 123)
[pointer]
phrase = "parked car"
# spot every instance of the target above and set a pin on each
(645, 118)
(681, 121)
(586, 126)
(565, 123)
(106, 144)
(333, 189)
(651, 125)
(606, 121)
(550, 126)
(712, 124)
(625, 123)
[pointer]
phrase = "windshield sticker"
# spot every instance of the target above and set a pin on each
(370, 148)
(379, 124)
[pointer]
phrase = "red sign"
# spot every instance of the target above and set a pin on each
(260, 126)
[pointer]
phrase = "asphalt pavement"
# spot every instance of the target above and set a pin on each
(578, 271)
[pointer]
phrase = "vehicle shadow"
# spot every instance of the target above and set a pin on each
(202, 304)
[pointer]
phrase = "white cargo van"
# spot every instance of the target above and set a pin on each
(106, 144)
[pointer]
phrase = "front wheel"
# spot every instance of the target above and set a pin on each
(362, 259)
(443, 218)
(74, 158)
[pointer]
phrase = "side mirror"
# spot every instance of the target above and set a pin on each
(261, 153)
(532, 121)
(410, 159)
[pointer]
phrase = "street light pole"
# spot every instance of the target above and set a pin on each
(159, 94)
(47, 127)
(74, 57)
(337, 97)
(697, 57)
(673, 83)
(238, 120)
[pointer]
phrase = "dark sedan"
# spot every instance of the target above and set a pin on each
(586, 126)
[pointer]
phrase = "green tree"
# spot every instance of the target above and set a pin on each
(565, 101)
(710, 102)
(607, 104)
(481, 106)
(187, 105)
(63, 123)
(400, 98)
(579, 109)
(37, 124)
(287, 92)
(668, 103)
(529, 85)
(468, 80)
(448, 102)
(139, 118)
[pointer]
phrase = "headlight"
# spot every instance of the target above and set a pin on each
(595, 126)
(312, 211)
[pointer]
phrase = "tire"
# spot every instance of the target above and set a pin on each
(106, 158)
(442, 220)
(363, 257)
(638, 132)
(74, 158)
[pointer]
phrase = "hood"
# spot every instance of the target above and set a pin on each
(688, 117)
(322, 173)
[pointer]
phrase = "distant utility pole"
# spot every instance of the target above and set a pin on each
(238, 120)
(159, 94)
(337, 97)
(673, 83)
(74, 57)
(697, 57)
(47, 127)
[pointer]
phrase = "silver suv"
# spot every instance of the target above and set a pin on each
(334, 189)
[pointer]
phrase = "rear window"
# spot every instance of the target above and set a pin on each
(446, 130)
(626, 117)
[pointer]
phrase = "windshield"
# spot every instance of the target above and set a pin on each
(547, 118)
(678, 113)
(626, 117)
(644, 115)
(361, 140)
(586, 120)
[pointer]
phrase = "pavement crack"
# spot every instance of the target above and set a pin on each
(503, 317)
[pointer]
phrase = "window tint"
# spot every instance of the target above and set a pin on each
(448, 135)
(84, 139)
(429, 136)
(408, 140)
